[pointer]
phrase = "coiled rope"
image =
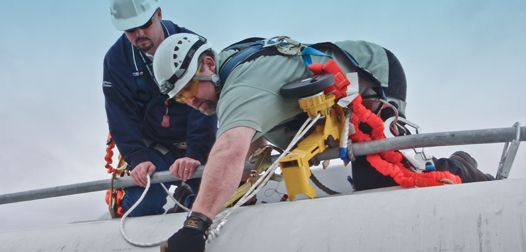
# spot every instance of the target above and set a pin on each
(146, 244)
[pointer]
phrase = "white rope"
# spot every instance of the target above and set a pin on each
(140, 244)
(144, 244)
(221, 218)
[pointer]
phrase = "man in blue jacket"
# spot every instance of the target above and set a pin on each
(151, 131)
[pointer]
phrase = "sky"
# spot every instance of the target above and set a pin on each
(464, 62)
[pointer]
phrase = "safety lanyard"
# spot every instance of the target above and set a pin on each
(148, 68)
(165, 123)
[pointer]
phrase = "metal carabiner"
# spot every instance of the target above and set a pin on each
(419, 158)
(285, 45)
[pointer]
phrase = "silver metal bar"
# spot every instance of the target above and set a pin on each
(483, 136)
(499, 135)
(94, 186)
(508, 155)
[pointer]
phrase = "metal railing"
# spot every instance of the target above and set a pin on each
(511, 135)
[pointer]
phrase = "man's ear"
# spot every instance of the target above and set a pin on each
(159, 14)
(210, 63)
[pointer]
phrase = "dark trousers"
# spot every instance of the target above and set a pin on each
(367, 177)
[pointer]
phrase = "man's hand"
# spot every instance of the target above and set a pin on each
(184, 168)
(138, 174)
(185, 240)
(190, 238)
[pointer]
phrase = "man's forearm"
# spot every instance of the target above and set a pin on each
(223, 171)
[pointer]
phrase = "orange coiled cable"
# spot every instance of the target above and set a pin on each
(109, 154)
(390, 162)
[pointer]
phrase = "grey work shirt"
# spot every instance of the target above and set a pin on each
(250, 96)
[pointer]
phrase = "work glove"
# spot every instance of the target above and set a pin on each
(185, 240)
(190, 238)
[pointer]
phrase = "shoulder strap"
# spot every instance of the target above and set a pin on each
(248, 49)
(245, 50)
(243, 43)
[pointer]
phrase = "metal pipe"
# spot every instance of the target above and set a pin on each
(93, 186)
(485, 136)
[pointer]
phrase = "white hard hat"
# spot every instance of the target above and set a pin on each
(175, 61)
(128, 14)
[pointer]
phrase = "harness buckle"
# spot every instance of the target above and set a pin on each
(285, 45)
(420, 159)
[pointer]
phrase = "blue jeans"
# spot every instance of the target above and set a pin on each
(155, 198)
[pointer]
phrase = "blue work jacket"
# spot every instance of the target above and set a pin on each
(132, 119)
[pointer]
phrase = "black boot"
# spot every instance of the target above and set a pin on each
(182, 192)
(470, 167)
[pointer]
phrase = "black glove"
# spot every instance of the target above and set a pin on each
(190, 238)
(185, 240)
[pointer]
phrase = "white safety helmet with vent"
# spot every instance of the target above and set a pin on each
(175, 61)
(128, 14)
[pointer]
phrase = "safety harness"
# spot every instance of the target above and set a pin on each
(390, 163)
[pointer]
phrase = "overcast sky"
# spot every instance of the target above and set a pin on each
(465, 64)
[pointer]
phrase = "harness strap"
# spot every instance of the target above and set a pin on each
(308, 51)
(243, 43)
(250, 49)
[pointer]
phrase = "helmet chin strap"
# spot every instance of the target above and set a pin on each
(213, 78)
